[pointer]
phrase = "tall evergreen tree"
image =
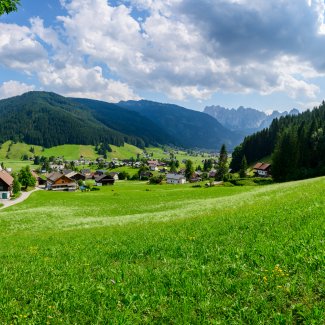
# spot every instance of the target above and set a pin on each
(243, 168)
(285, 157)
(222, 165)
(16, 186)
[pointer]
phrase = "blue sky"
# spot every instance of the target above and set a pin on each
(265, 55)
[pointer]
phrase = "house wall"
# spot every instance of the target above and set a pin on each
(62, 180)
(5, 191)
(175, 181)
(262, 173)
(5, 195)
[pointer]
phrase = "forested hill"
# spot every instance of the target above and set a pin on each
(190, 128)
(127, 121)
(47, 119)
(297, 145)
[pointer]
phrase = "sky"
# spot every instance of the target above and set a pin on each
(267, 55)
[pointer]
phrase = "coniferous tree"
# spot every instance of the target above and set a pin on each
(237, 158)
(222, 165)
(243, 168)
(16, 186)
(285, 157)
(189, 169)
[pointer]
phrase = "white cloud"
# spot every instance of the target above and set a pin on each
(19, 49)
(183, 48)
(14, 88)
(77, 81)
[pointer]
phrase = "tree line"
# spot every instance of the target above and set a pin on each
(296, 144)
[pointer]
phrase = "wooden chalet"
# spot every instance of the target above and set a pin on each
(6, 184)
(262, 169)
(105, 180)
(60, 182)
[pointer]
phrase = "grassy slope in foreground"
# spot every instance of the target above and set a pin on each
(167, 255)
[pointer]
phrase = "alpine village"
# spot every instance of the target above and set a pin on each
(115, 209)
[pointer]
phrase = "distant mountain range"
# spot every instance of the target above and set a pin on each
(188, 128)
(48, 119)
(244, 120)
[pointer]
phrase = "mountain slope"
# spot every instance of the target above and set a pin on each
(189, 128)
(126, 121)
(244, 120)
(48, 119)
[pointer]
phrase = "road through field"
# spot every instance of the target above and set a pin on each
(23, 197)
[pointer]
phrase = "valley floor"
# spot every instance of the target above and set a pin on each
(138, 253)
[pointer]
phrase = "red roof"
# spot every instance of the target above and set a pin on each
(6, 177)
(262, 166)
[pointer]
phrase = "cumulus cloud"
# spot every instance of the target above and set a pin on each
(19, 49)
(14, 88)
(191, 49)
(183, 48)
(77, 81)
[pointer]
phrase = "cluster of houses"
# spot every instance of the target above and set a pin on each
(58, 164)
(68, 180)
(61, 179)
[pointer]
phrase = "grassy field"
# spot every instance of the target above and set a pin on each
(71, 152)
(15, 151)
(137, 254)
(11, 154)
(125, 152)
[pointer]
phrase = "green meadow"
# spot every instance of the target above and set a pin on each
(142, 254)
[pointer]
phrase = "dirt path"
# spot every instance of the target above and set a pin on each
(23, 197)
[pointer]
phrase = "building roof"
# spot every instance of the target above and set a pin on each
(6, 177)
(73, 174)
(175, 176)
(152, 162)
(100, 178)
(67, 171)
(262, 166)
(54, 176)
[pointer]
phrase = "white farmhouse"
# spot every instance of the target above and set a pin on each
(175, 179)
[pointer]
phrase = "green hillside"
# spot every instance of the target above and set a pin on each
(127, 121)
(135, 253)
(47, 119)
(71, 152)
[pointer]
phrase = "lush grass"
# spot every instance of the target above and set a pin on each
(135, 253)
(71, 151)
(15, 151)
(17, 165)
(125, 152)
